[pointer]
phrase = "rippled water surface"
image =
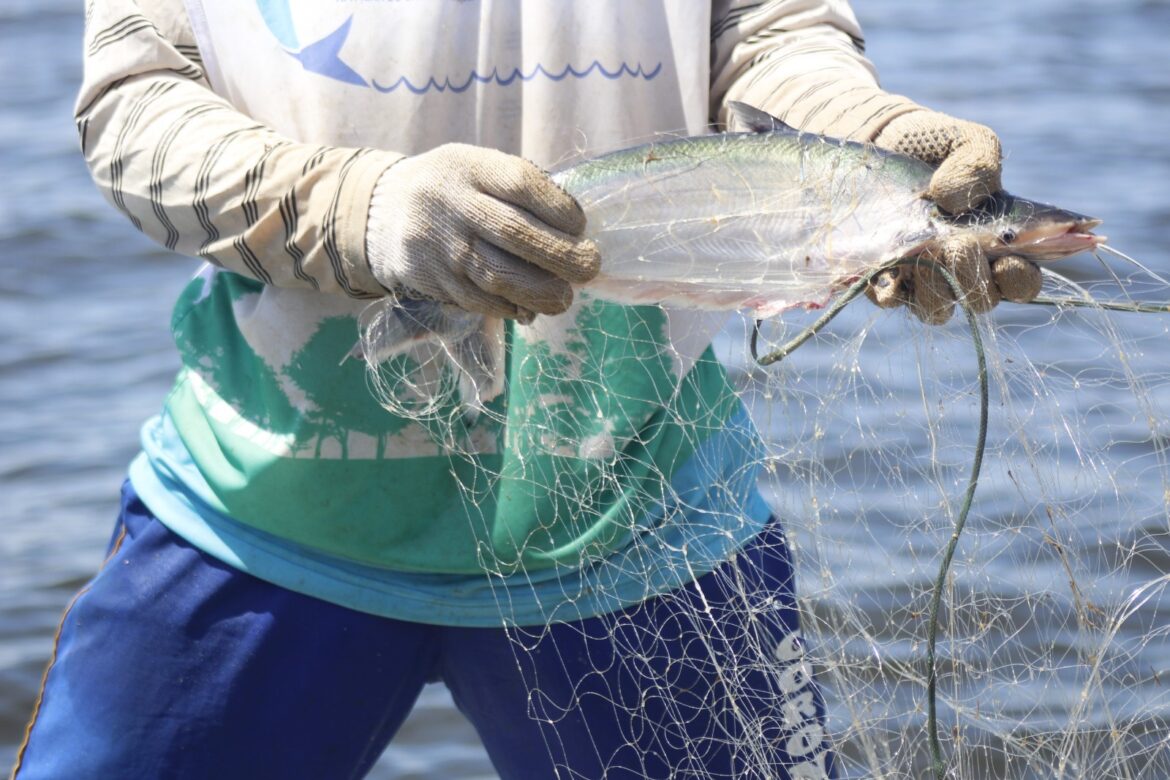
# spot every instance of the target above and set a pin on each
(1079, 91)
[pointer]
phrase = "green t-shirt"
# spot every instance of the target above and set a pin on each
(563, 469)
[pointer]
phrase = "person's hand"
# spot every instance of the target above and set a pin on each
(484, 230)
(967, 156)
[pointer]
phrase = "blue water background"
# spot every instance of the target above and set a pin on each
(1079, 92)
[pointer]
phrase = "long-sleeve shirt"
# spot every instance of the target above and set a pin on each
(192, 169)
(252, 135)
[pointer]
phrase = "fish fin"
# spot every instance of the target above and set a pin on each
(743, 117)
(479, 357)
(469, 345)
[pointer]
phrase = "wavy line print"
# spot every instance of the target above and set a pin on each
(446, 86)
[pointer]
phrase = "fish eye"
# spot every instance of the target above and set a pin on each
(1007, 236)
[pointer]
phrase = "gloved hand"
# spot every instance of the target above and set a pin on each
(484, 230)
(968, 160)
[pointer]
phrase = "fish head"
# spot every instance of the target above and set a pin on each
(1007, 225)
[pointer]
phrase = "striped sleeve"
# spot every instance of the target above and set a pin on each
(203, 179)
(800, 60)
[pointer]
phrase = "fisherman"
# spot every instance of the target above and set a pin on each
(292, 563)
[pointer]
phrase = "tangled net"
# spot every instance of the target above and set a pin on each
(1049, 644)
(1036, 651)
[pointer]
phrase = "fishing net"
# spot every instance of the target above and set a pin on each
(1044, 654)
(1050, 641)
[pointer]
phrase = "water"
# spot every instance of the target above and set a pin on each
(1079, 92)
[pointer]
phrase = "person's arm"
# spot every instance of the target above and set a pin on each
(464, 225)
(201, 178)
(803, 61)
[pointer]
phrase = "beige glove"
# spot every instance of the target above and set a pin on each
(830, 90)
(969, 163)
(484, 230)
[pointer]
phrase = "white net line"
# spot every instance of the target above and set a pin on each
(1051, 645)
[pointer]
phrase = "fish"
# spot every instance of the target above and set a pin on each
(773, 218)
(763, 220)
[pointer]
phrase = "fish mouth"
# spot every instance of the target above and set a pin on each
(1053, 241)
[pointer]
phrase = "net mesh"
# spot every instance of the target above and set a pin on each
(1050, 646)
(1051, 639)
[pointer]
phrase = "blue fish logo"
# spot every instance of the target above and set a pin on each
(323, 56)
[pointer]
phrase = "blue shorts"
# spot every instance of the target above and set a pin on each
(171, 664)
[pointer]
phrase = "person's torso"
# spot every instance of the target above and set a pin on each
(285, 431)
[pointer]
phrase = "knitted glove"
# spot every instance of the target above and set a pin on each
(967, 156)
(487, 231)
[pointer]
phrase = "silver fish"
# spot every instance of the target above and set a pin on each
(774, 218)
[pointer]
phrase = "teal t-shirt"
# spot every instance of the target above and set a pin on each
(681, 540)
